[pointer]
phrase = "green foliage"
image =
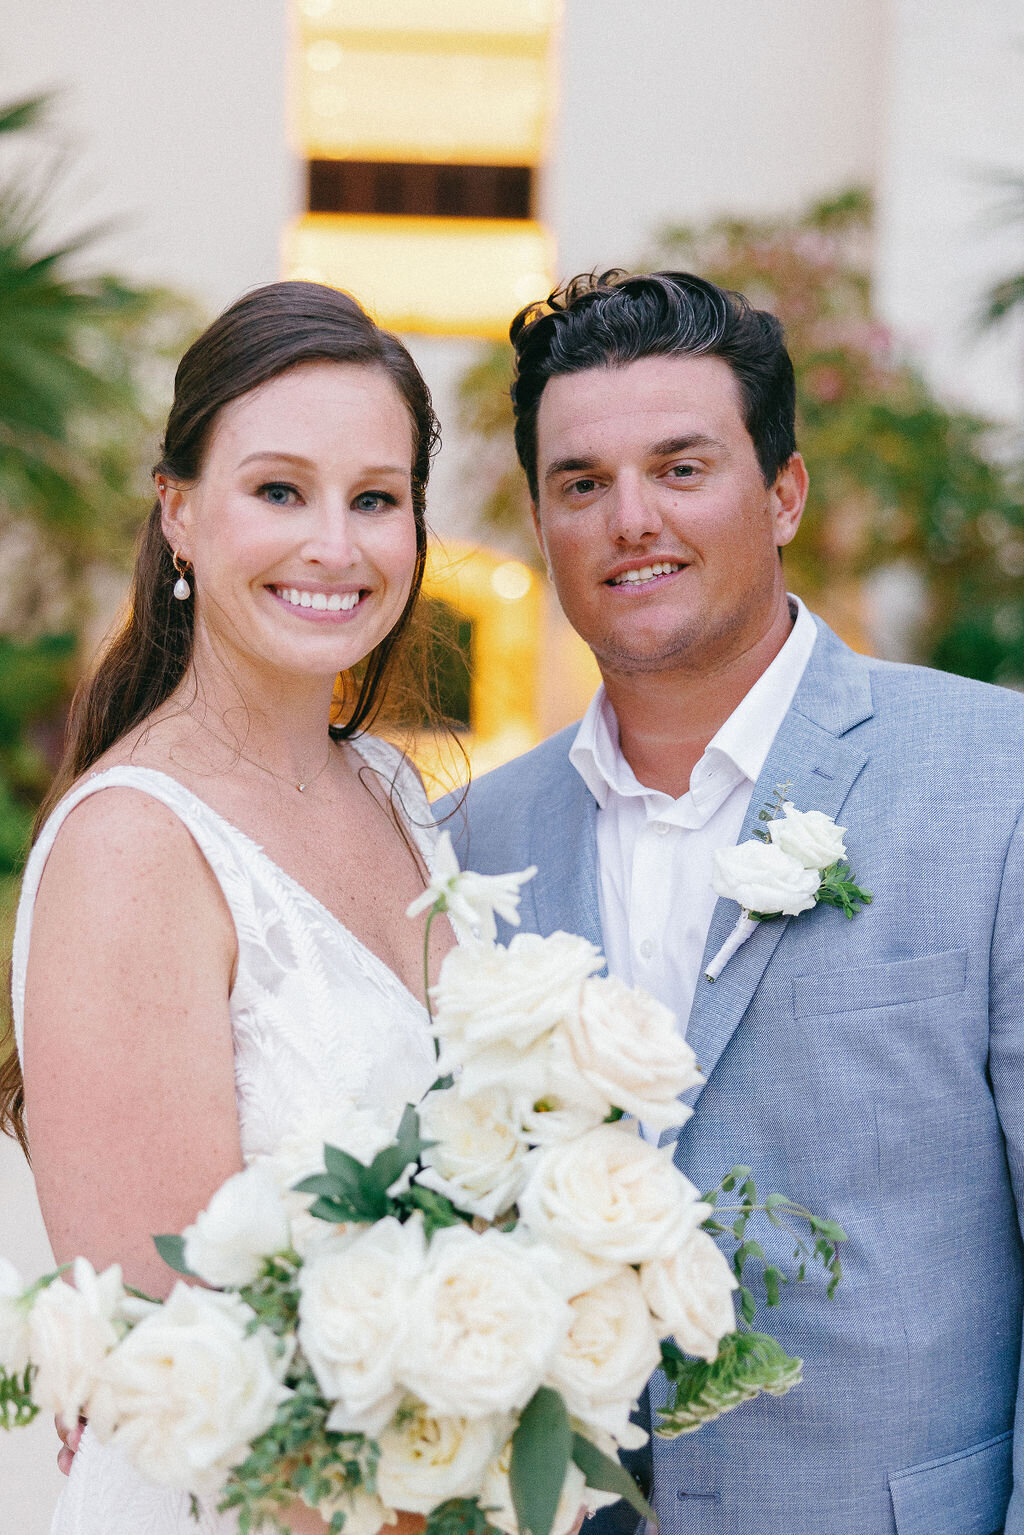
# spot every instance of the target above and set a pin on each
(607, 1475)
(348, 1191)
(85, 368)
(823, 1246)
(172, 1251)
(748, 1363)
(838, 888)
(16, 1405)
(459, 1516)
(542, 1446)
(297, 1457)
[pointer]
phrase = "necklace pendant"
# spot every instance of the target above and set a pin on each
(301, 788)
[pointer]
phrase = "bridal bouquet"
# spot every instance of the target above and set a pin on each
(454, 1316)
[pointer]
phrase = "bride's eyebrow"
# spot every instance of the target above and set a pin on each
(268, 453)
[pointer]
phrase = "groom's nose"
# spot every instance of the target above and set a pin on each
(633, 512)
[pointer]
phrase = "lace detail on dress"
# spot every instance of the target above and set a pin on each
(316, 1017)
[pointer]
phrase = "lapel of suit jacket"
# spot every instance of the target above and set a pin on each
(809, 755)
(563, 845)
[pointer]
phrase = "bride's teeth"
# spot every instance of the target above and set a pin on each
(334, 603)
(305, 599)
(319, 601)
(349, 601)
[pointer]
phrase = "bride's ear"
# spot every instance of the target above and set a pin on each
(174, 517)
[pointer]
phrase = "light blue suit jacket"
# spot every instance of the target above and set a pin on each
(873, 1070)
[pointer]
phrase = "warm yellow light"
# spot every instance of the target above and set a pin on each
(511, 580)
(502, 17)
(439, 276)
(416, 98)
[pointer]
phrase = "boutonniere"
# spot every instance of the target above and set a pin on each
(789, 866)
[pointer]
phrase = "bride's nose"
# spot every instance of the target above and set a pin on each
(331, 539)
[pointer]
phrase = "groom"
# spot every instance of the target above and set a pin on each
(871, 1069)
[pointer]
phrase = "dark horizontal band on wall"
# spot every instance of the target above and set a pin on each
(444, 191)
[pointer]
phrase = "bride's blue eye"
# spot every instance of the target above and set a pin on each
(374, 501)
(278, 494)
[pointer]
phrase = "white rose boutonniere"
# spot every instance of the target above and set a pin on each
(792, 866)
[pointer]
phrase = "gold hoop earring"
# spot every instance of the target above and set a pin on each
(182, 590)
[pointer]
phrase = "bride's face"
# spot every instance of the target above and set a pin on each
(300, 527)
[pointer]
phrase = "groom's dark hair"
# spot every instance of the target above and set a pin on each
(609, 319)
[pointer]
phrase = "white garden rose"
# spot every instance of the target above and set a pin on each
(609, 1355)
(762, 878)
(71, 1332)
(354, 1304)
(188, 1389)
(479, 1157)
(613, 1195)
(809, 836)
(508, 996)
(244, 1224)
(628, 1046)
(425, 1460)
(496, 1496)
(483, 1325)
(13, 1320)
(550, 1100)
(690, 1295)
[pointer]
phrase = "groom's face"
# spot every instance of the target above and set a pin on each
(660, 532)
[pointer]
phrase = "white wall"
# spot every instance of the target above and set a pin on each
(954, 124)
(674, 110)
(174, 111)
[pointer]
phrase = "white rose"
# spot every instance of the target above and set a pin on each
(762, 878)
(471, 900)
(244, 1224)
(628, 1046)
(690, 1295)
(478, 1159)
(487, 996)
(496, 1496)
(71, 1332)
(809, 836)
(483, 1325)
(549, 1098)
(613, 1195)
(13, 1320)
(353, 1310)
(425, 1460)
(610, 1354)
(362, 1132)
(185, 1393)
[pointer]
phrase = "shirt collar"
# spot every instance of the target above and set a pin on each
(744, 739)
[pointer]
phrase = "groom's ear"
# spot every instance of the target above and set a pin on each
(539, 533)
(787, 498)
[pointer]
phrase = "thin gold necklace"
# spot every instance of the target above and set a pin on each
(281, 777)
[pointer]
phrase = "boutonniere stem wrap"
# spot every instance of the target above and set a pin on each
(789, 866)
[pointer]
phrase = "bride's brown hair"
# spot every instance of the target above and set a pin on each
(262, 335)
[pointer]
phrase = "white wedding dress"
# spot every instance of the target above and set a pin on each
(315, 1015)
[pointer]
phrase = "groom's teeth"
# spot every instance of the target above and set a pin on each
(334, 603)
(646, 573)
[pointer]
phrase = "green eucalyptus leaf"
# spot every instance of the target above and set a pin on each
(541, 1448)
(609, 1475)
(172, 1251)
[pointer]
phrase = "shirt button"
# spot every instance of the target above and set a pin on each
(662, 828)
(646, 949)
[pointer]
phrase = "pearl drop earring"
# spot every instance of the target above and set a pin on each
(182, 590)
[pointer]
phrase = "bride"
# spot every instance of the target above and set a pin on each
(211, 948)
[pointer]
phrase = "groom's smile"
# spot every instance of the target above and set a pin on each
(654, 514)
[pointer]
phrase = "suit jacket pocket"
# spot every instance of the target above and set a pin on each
(963, 1494)
(900, 981)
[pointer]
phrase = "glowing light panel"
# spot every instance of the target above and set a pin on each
(439, 276)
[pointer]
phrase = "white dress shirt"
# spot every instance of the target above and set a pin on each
(655, 852)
